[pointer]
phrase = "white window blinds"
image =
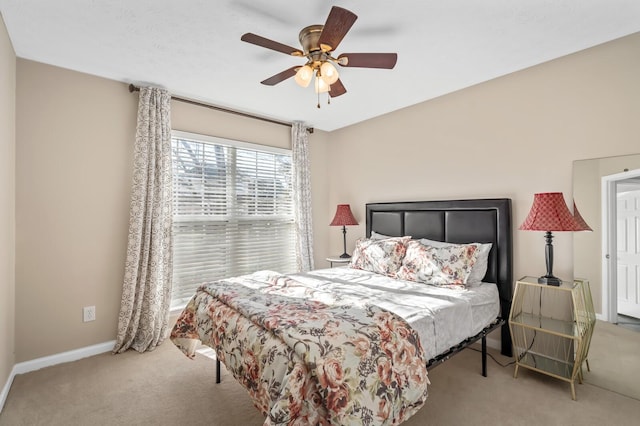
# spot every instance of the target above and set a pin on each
(233, 211)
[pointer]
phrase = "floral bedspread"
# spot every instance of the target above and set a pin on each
(307, 356)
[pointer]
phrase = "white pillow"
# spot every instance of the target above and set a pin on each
(479, 269)
(375, 236)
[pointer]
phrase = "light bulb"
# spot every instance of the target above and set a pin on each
(304, 76)
(321, 85)
(329, 73)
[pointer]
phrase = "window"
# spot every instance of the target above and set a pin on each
(232, 211)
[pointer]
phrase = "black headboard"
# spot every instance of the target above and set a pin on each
(457, 221)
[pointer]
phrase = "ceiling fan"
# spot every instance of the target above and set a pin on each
(318, 44)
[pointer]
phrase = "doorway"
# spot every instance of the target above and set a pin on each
(621, 247)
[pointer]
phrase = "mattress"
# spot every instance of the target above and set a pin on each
(442, 316)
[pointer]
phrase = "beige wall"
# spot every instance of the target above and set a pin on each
(7, 203)
(75, 136)
(73, 172)
(509, 137)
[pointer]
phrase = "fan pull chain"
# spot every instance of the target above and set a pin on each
(328, 100)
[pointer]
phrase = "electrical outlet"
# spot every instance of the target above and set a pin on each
(88, 313)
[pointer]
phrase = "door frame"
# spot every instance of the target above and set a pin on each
(610, 243)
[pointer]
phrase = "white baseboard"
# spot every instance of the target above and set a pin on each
(76, 354)
(48, 361)
(5, 389)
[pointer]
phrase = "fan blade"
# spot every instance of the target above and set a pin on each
(337, 89)
(270, 44)
(368, 60)
(281, 76)
(338, 24)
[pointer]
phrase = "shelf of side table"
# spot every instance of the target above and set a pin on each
(551, 328)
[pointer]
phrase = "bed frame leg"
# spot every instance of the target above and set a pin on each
(217, 370)
(484, 355)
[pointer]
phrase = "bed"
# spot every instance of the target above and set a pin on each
(309, 353)
(458, 221)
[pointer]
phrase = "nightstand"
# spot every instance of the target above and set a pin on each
(551, 328)
(339, 260)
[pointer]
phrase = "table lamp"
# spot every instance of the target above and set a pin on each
(549, 212)
(344, 218)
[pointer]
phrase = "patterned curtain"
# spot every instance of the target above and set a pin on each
(302, 196)
(146, 292)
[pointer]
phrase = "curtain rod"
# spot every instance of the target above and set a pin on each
(133, 88)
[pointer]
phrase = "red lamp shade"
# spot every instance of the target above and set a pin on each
(549, 212)
(581, 222)
(343, 216)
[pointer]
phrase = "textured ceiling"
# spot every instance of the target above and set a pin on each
(193, 47)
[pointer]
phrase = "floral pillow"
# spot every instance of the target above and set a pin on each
(379, 256)
(440, 266)
(479, 269)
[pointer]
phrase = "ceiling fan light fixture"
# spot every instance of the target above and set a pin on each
(329, 73)
(321, 85)
(318, 45)
(304, 75)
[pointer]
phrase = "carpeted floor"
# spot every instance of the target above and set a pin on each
(165, 388)
(614, 358)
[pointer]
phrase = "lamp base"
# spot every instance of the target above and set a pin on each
(345, 256)
(550, 280)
